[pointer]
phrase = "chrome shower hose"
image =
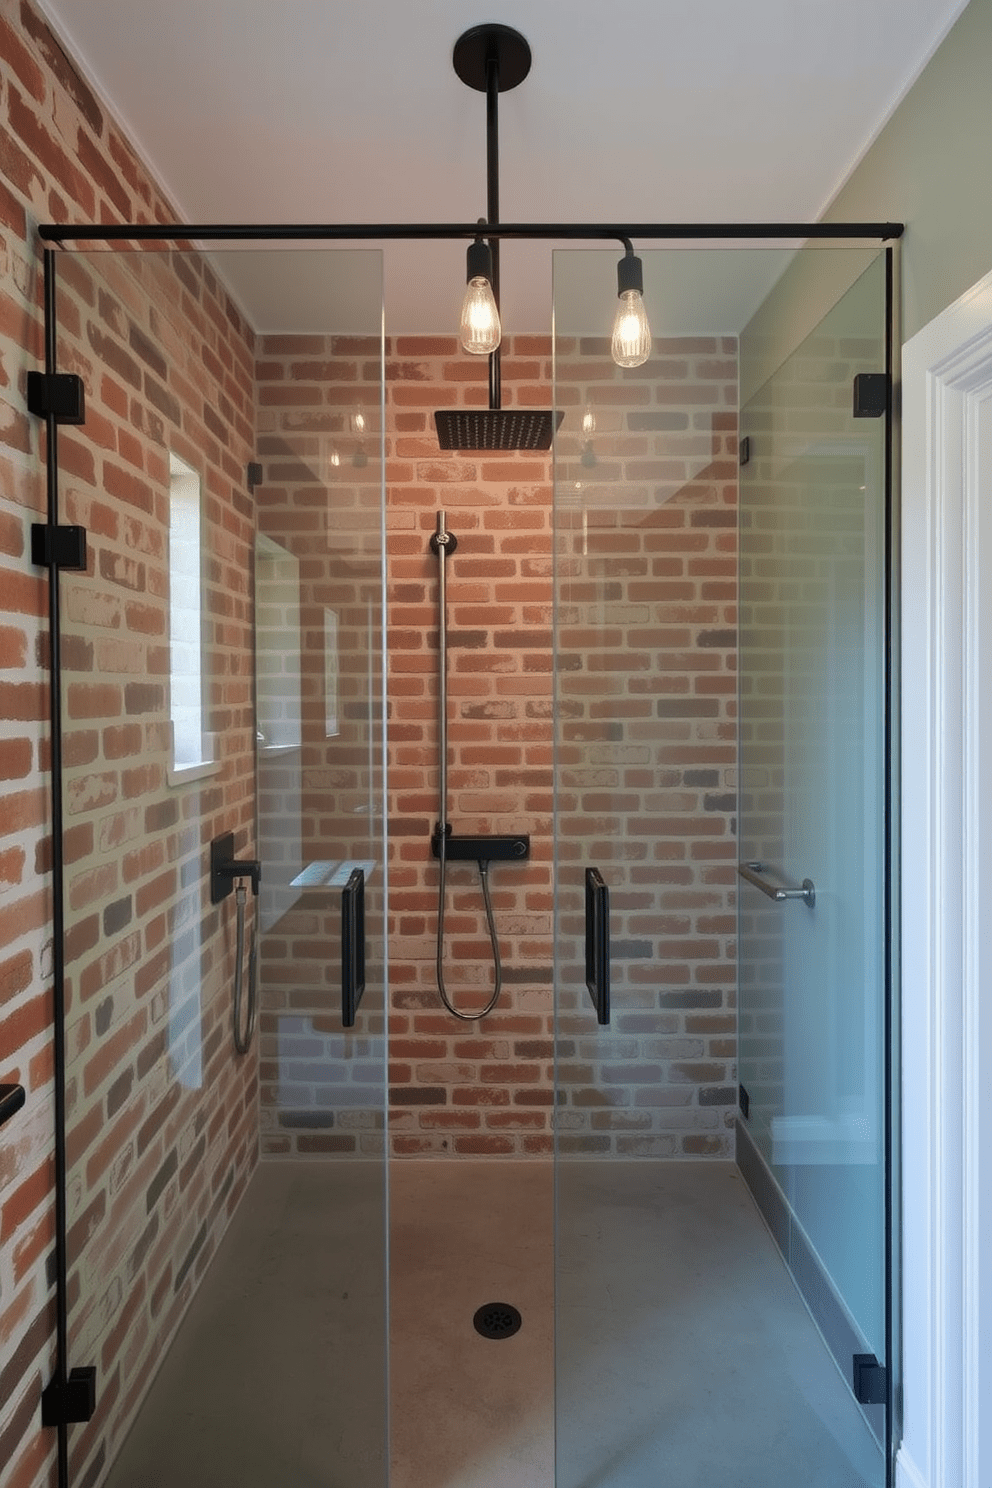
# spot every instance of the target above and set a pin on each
(242, 1037)
(441, 543)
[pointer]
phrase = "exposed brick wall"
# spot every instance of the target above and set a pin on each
(466, 1089)
(646, 679)
(648, 703)
(319, 503)
(156, 1162)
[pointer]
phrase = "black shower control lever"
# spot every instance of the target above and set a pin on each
(482, 849)
(225, 868)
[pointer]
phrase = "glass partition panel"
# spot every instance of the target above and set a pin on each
(813, 785)
(222, 662)
(686, 1352)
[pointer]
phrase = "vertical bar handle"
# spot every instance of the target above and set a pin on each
(11, 1100)
(352, 946)
(598, 943)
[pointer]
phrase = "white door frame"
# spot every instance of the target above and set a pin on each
(946, 895)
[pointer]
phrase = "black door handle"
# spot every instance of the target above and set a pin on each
(598, 943)
(352, 946)
(11, 1100)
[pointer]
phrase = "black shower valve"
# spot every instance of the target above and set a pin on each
(485, 849)
(225, 868)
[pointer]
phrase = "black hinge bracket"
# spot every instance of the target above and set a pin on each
(75, 1401)
(58, 393)
(65, 547)
(744, 450)
(871, 394)
(871, 1380)
(744, 1101)
(254, 474)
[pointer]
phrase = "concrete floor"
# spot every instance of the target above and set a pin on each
(684, 1355)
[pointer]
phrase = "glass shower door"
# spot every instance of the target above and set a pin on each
(697, 1333)
(814, 1025)
(222, 699)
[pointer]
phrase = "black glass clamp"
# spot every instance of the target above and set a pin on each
(58, 394)
(65, 1404)
(61, 546)
(871, 1380)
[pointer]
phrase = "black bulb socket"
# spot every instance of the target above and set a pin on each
(630, 274)
(479, 261)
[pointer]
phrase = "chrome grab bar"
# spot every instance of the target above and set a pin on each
(753, 871)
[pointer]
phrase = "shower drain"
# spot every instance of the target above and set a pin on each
(497, 1320)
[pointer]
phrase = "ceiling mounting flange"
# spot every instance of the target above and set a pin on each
(474, 49)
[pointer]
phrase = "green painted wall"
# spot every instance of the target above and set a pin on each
(930, 168)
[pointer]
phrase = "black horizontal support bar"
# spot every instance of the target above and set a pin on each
(11, 1100)
(483, 849)
(63, 233)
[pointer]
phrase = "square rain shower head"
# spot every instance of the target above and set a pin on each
(496, 428)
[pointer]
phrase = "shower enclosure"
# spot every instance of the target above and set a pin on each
(721, 681)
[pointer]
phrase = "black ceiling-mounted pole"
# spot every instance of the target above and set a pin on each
(492, 199)
(492, 59)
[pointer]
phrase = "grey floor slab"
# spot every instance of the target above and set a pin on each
(685, 1356)
(277, 1376)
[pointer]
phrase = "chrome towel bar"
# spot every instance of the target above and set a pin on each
(753, 873)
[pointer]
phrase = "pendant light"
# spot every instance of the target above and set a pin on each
(630, 345)
(479, 329)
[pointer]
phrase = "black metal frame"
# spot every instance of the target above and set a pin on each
(890, 1023)
(332, 232)
(64, 1387)
(60, 1378)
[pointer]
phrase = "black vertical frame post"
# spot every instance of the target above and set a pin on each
(492, 202)
(890, 898)
(61, 1375)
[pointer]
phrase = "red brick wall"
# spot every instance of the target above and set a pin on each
(646, 680)
(161, 1130)
(648, 705)
(320, 501)
(465, 1089)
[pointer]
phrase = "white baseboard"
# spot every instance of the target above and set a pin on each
(908, 1474)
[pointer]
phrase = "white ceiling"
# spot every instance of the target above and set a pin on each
(254, 111)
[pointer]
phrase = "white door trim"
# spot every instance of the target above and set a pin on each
(946, 896)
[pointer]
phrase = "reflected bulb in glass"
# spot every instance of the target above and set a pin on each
(479, 328)
(631, 343)
(358, 422)
(588, 422)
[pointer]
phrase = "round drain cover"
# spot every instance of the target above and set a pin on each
(497, 1320)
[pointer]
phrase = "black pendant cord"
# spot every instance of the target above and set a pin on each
(492, 205)
(61, 1373)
